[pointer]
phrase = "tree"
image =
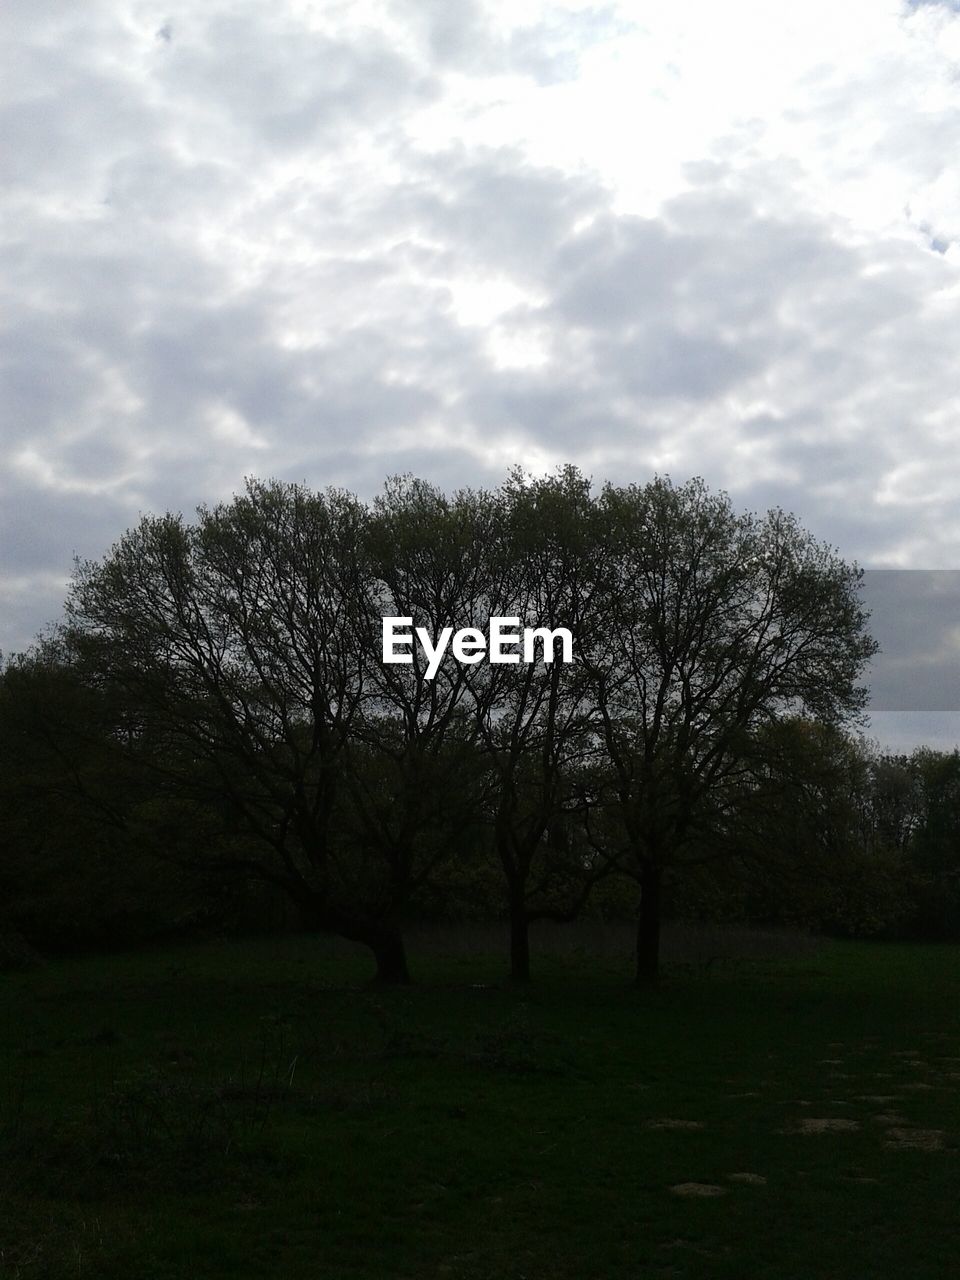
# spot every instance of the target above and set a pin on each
(810, 855)
(934, 841)
(79, 821)
(244, 641)
(715, 625)
(416, 779)
(534, 719)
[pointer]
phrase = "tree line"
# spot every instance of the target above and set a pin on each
(215, 706)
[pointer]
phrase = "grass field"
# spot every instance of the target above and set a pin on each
(250, 1109)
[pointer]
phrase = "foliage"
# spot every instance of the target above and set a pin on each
(213, 731)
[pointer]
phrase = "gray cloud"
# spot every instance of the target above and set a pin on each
(467, 37)
(915, 617)
(264, 80)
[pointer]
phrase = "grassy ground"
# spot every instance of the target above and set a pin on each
(250, 1109)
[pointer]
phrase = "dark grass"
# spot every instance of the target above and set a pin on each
(252, 1109)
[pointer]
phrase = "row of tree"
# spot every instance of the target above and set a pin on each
(216, 701)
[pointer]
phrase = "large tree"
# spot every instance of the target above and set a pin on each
(540, 567)
(415, 779)
(716, 624)
(245, 641)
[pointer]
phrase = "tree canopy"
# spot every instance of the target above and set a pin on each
(237, 658)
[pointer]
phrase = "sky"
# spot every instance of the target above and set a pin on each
(330, 242)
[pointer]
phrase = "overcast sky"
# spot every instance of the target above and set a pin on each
(331, 241)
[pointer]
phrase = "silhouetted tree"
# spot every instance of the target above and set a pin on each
(534, 719)
(245, 640)
(716, 623)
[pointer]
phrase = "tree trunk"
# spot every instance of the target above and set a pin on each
(385, 942)
(519, 943)
(391, 957)
(648, 926)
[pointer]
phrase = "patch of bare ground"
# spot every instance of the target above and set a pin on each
(915, 1139)
(667, 1123)
(697, 1189)
(679, 1243)
(833, 1124)
(749, 1179)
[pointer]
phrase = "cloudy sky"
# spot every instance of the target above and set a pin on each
(330, 241)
